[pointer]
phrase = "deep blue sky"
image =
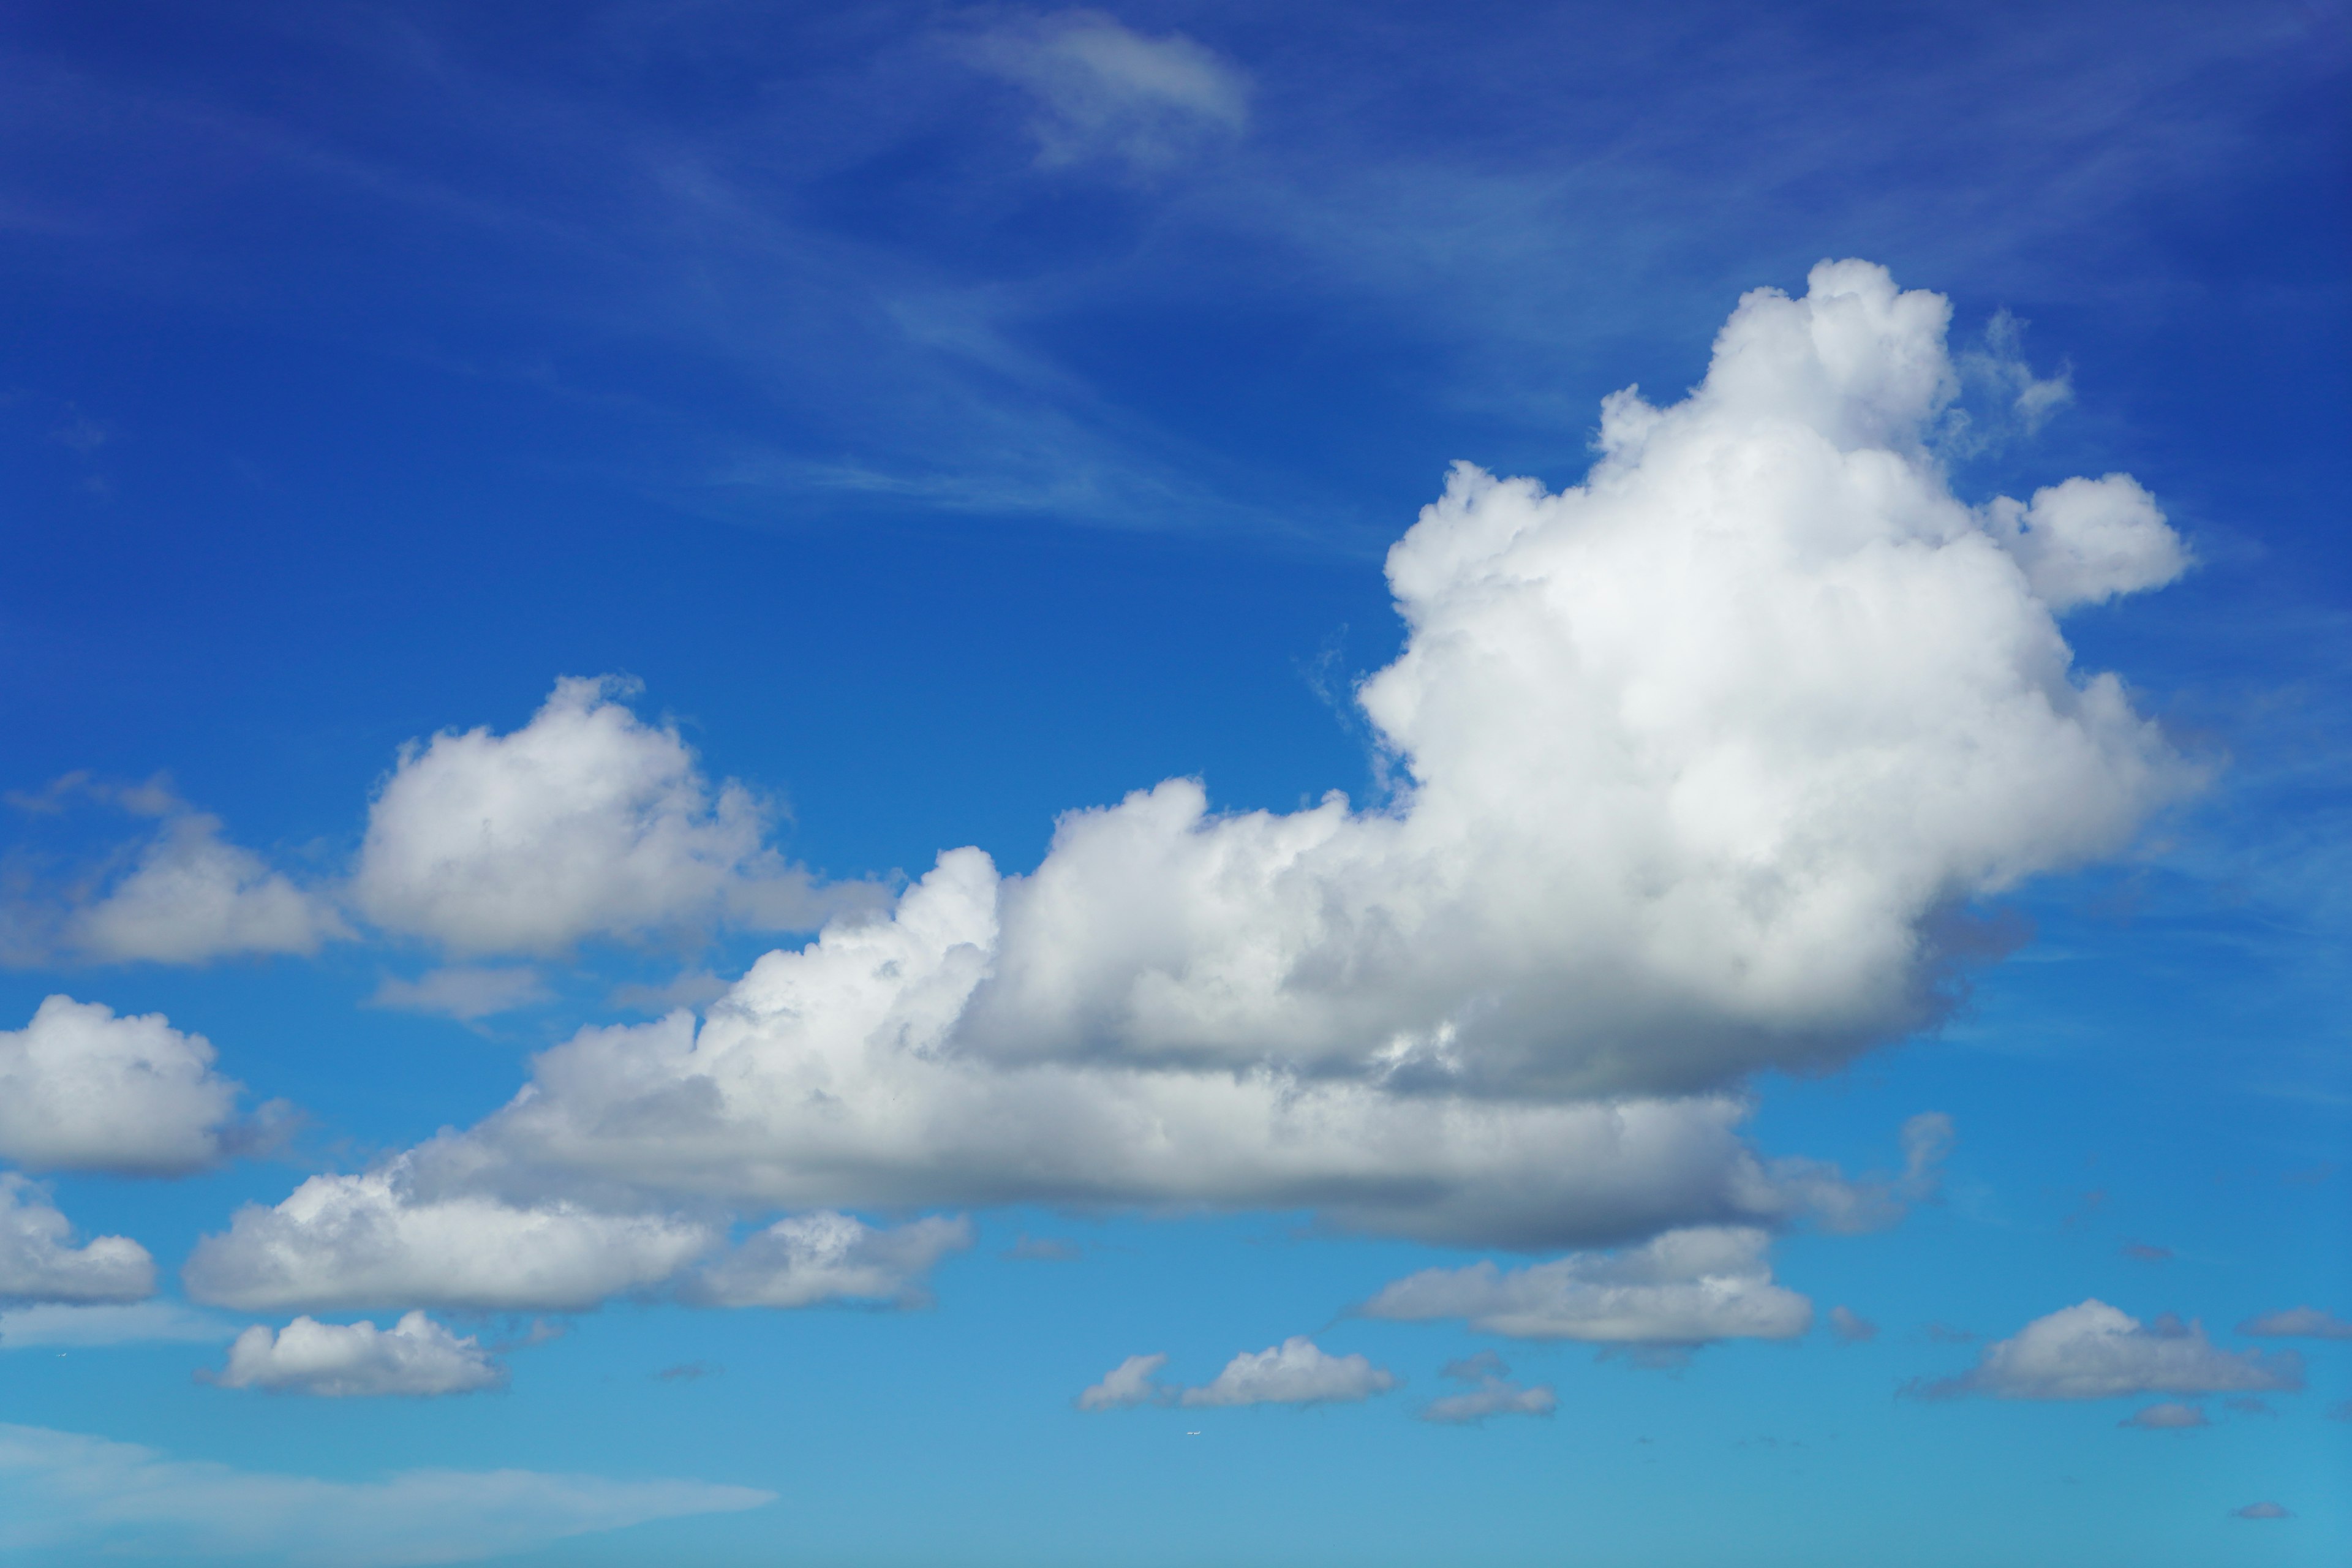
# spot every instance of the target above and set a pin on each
(949, 430)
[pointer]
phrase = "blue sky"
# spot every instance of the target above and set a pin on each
(675, 675)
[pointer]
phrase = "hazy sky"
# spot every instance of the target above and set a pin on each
(894, 784)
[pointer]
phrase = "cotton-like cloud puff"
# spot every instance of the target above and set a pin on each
(1490, 1392)
(82, 1089)
(1131, 1382)
(2167, 1417)
(1850, 1327)
(2298, 1322)
(1295, 1371)
(1696, 760)
(585, 822)
(2094, 1351)
(193, 896)
(414, 1356)
(93, 1499)
(826, 1256)
(1104, 90)
(1685, 1288)
(39, 1263)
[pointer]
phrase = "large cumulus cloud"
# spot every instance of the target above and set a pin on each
(1694, 761)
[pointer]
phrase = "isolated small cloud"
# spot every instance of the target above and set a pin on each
(824, 1257)
(39, 1263)
(463, 992)
(1106, 92)
(1685, 1288)
(2261, 1510)
(82, 1089)
(1490, 1394)
(2167, 1417)
(135, 1322)
(2094, 1351)
(1127, 1384)
(2298, 1322)
(92, 1498)
(415, 1356)
(1850, 1327)
(193, 896)
(1295, 1371)
(2143, 1252)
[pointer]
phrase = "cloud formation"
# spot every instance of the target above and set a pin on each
(1295, 1371)
(2094, 1351)
(414, 1356)
(1695, 763)
(1850, 1327)
(1131, 1382)
(463, 991)
(826, 1256)
(2165, 1417)
(82, 1089)
(1489, 1392)
(1106, 92)
(2298, 1322)
(96, 1498)
(584, 822)
(136, 1322)
(1685, 1288)
(39, 1263)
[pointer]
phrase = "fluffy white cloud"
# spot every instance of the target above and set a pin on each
(1696, 760)
(826, 1256)
(137, 1322)
(2094, 1351)
(375, 1240)
(1295, 1371)
(1131, 1382)
(586, 822)
(1107, 92)
(39, 1261)
(1489, 1392)
(83, 1089)
(414, 1356)
(2165, 1417)
(97, 1500)
(193, 897)
(1685, 1288)
(2298, 1322)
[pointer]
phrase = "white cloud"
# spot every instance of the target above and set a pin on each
(1696, 760)
(193, 897)
(67, 1492)
(1106, 92)
(2094, 1351)
(584, 822)
(2165, 1417)
(414, 1356)
(1685, 1288)
(463, 991)
(1490, 1392)
(1295, 1371)
(39, 1263)
(2298, 1322)
(1131, 1382)
(137, 1322)
(83, 1089)
(826, 1256)
(374, 1240)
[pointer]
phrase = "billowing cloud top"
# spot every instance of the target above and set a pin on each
(414, 1356)
(83, 1089)
(2094, 1351)
(1695, 759)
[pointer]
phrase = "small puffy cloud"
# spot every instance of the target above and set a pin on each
(2261, 1510)
(824, 1257)
(1127, 1384)
(193, 896)
(2167, 1417)
(1850, 1327)
(356, 1242)
(1685, 1288)
(584, 822)
(2087, 541)
(1104, 90)
(1490, 1394)
(414, 1356)
(39, 1263)
(82, 1089)
(2298, 1322)
(463, 992)
(1295, 1371)
(2095, 1352)
(88, 1498)
(136, 1322)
